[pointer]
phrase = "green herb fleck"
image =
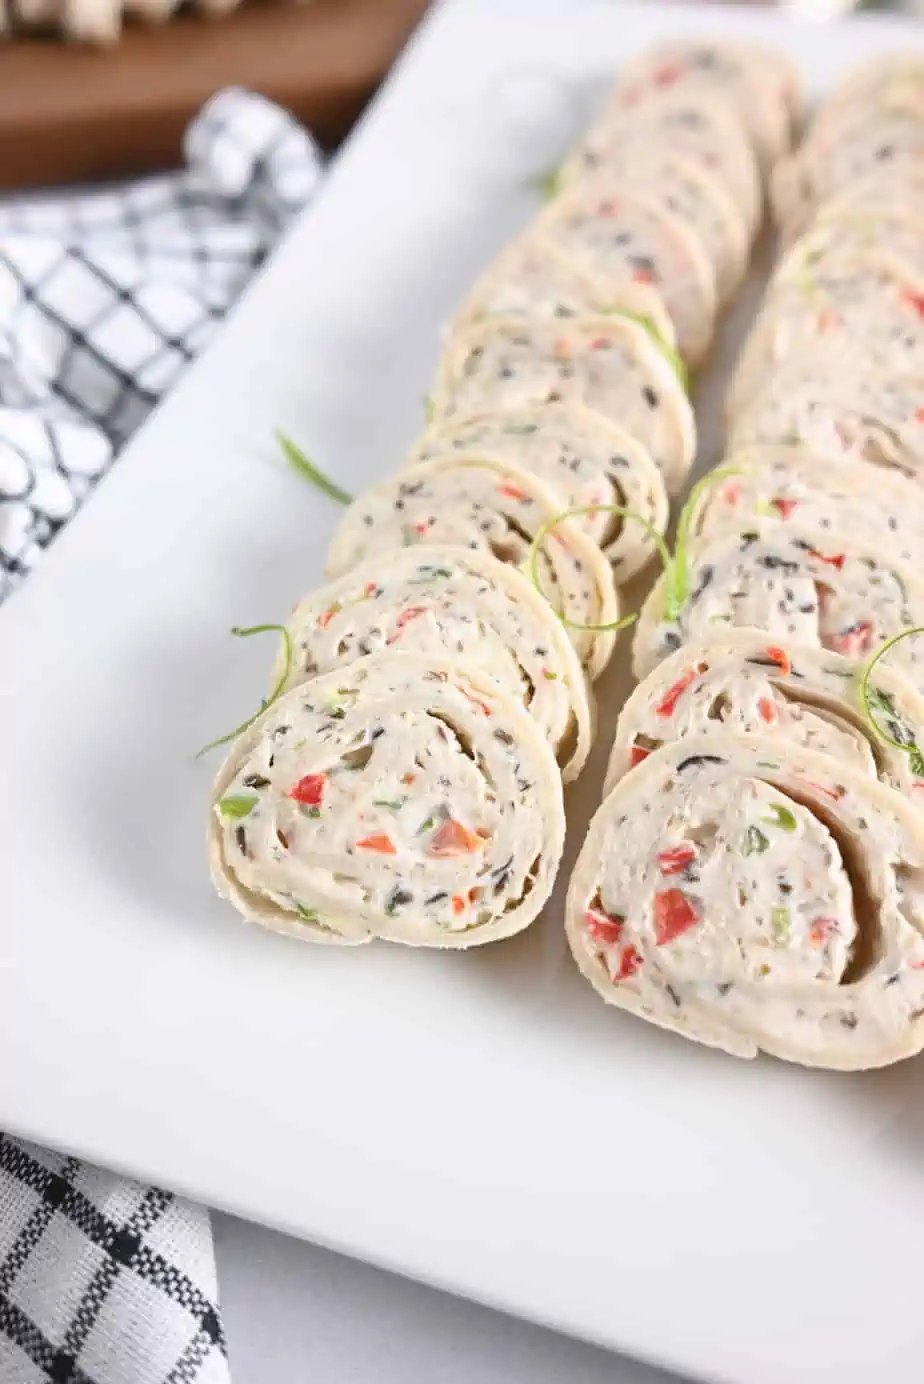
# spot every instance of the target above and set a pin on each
(288, 656)
(755, 842)
(238, 805)
(394, 805)
(307, 811)
(310, 915)
(426, 826)
(309, 472)
(781, 817)
(780, 920)
(429, 410)
(549, 184)
(549, 675)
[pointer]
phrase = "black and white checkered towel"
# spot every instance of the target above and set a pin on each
(104, 298)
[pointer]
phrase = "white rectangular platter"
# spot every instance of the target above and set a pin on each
(479, 1121)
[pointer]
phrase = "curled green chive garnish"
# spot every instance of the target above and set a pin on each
(309, 472)
(755, 842)
(874, 697)
(287, 659)
(673, 359)
(678, 570)
(532, 558)
(238, 805)
(782, 817)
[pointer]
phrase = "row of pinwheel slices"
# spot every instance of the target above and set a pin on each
(766, 785)
(406, 783)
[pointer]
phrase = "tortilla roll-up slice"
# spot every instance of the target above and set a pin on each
(396, 798)
(893, 82)
(744, 684)
(461, 606)
(822, 590)
(772, 901)
(830, 161)
(852, 313)
(471, 502)
(855, 234)
(701, 201)
(698, 125)
(792, 485)
(838, 409)
(583, 457)
(534, 277)
(609, 364)
(629, 234)
(760, 83)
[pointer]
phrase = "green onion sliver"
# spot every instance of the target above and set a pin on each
(288, 657)
(306, 468)
(866, 691)
(532, 559)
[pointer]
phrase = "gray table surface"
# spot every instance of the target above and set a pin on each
(294, 1313)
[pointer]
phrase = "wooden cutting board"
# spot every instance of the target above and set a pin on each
(72, 114)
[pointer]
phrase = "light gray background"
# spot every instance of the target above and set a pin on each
(295, 1313)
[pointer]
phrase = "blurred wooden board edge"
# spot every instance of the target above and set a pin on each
(72, 114)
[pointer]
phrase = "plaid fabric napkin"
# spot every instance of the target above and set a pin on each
(104, 299)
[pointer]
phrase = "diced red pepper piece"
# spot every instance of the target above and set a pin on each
(412, 613)
(600, 343)
(919, 414)
(328, 615)
(732, 493)
(853, 641)
(309, 790)
(674, 914)
(781, 658)
(767, 710)
(513, 493)
(668, 706)
(454, 838)
(822, 930)
(637, 754)
(676, 860)
(836, 560)
(458, 904)
(629, 962)
(475, 702)
(783, 506)
(422, 529)
(914, 300)
(378, 842)
(643, 276)
(603, 927)
(835, 794)
(667, 76)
